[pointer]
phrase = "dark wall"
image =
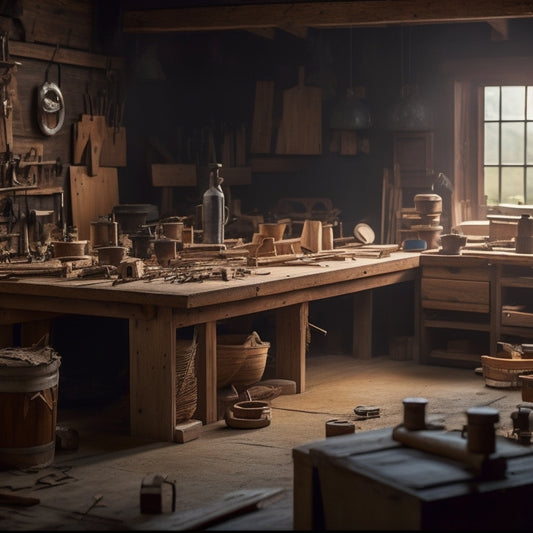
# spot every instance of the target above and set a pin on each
(210, 80)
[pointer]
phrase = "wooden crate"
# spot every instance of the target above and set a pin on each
(369, 481)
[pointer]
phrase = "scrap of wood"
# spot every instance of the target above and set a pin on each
(231, 505)
(303, 259)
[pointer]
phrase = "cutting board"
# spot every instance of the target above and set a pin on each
(300, 130)
(91, 196)
(88, 136)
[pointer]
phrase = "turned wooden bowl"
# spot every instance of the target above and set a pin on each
(251, 409)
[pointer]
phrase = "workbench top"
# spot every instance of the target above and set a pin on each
(262, 281)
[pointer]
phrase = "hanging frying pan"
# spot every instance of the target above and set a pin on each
(50, 108)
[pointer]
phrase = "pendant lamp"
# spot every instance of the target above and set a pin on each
(411, 112)
(350, 112)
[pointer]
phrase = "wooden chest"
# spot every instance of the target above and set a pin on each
(369, 481)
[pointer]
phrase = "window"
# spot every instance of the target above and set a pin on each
(508, 144)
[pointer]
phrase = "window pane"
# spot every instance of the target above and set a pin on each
(513, 103)
(529, 147)
(529, 185)
(492, 146)
(530, 103)
(492, 191)
(513, 143)
(492, 103)
(512, 185)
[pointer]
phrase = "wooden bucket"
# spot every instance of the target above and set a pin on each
(28, 406)
(242, 357)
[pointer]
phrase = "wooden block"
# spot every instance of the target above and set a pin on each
(187, 431)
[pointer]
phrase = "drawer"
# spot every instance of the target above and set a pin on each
(477, 273)
(456, 294)
(517, 318)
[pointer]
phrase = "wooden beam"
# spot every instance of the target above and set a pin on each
(66, 56)
(320, 14)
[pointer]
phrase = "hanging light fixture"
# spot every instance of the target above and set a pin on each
(411, 112)
(350, 112)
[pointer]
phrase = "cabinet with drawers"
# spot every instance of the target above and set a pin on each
(471, 302)
(456, 319)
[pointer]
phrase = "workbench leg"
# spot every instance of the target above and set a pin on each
(206, 373)
(153, 376)
(362, 324)
(291, 335)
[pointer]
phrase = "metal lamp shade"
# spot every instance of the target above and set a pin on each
(411, 113)
(350, 113)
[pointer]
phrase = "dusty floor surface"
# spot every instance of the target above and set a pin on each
(97, 487)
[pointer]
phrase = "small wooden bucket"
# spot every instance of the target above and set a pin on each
(28, 406)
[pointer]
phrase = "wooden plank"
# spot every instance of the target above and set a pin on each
(65, 24)
(92, 196)
(280, 164)
(318, 15)
(232, 504)
(64, 56)
(173, 175)
(262, 118)
(236, 175)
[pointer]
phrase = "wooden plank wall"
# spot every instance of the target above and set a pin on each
(50, 40)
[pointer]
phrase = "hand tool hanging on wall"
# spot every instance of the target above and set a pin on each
(6, 138)
(50, 102)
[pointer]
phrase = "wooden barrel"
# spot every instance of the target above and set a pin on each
(28, 406)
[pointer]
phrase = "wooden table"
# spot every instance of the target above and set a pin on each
(156, 310)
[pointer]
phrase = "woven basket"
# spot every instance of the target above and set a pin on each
(186, 383)
(241, 358)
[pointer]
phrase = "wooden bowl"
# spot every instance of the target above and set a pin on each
(251, 409)
(69, 248)
(111, 255)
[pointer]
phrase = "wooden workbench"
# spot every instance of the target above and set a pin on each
(157, 309)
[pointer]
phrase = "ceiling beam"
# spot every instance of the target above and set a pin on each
(321, 14)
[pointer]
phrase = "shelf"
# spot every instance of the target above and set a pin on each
(456, 356)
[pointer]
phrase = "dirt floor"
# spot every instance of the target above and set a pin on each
(97, 486)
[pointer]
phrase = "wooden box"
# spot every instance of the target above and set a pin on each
(369, 481)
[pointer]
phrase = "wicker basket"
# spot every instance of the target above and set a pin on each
(186, 383)
(502, 372)
(241, 359)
